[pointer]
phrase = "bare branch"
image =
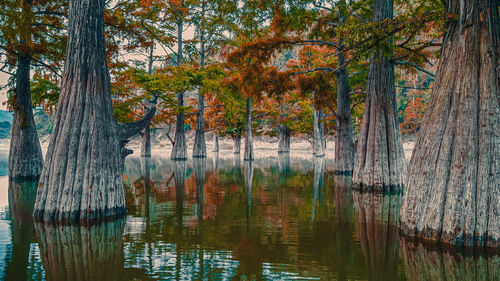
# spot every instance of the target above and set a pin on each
(399, 62)
(329, 106)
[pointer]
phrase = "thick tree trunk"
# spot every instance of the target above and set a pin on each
(25, 155)
(379, 164)
(317, 142)
(344, 136)
(200, 147)
(248, 132)
(377, 217)
(82, 178)
(283, 167)
(83, 252)
(237, 144)
(284, 139)
(453, 184)
(216, 143)
(179, 150)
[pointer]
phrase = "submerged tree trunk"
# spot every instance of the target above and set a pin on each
(377, 218)
(453, 190)
(248, 132)
(82, 178)
(200, 147)
(284, 139)
(179, 150)
(25, 155)
(21, 200)
(344, 136)
(83, 253)
(424, 261)
(216, 143)
(199, 176)
(379, 163)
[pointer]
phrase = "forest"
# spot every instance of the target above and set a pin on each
(362, 74)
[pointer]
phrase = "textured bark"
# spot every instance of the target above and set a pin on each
(425, 262)
(376, 218)
(200, 147)
(284, 139)
(248, 133)
(317, 142)
(21, 201)
(344, 136)
(453, 184)
(25, 155)
(216, 143)
(146, 179)
(82, 178)
(82, 252)
(322, 133)
(379, 162)
(179, 149)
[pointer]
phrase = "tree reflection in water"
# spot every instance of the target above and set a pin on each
(272, 218)
(22, 197)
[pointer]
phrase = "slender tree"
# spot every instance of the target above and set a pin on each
(82, 176)
(452, 189)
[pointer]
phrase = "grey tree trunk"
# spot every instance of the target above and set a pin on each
(284, 167)
(317, 142)
(379, 163)
(284, 139)
(318, 181)
(322, 133)
(237, 144)
(82, 178)
(453, 184)
(216, 143)
(146, 133)
(200, 147)
(248, 133)
(179, 150)
(83, 253)
(25, 155)
(344, 136)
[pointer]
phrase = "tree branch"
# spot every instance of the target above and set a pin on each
(400, 62)
(130, 129)
(329, 106)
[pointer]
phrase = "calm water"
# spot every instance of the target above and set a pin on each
(222, 219)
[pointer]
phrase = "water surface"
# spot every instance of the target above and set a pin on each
(276, 218)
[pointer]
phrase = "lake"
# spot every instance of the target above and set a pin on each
(276, 218)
